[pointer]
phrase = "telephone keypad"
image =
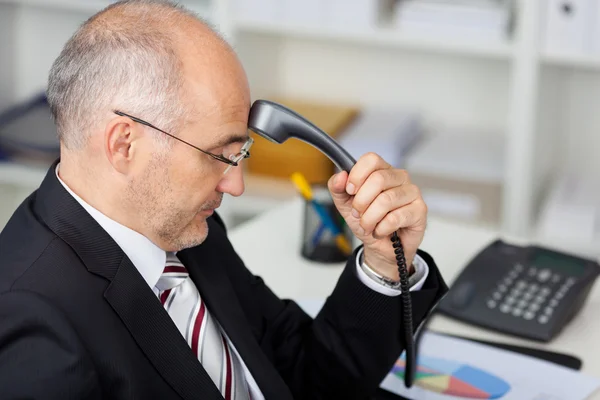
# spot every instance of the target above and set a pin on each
(529, 293)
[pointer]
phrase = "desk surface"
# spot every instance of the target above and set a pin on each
(270, 247)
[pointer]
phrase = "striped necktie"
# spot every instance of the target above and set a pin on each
(181, 299)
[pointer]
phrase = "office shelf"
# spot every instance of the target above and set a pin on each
(384, 37)
(578, 61)
(471, 82)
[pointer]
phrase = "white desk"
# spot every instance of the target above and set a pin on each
(270, 247)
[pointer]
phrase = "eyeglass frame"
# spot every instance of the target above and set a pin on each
(244, 152)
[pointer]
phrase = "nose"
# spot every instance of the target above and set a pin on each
(232, 182)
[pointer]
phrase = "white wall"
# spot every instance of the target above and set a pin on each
(261, 58)
(581, 108)
(41, 34)
(549, 141)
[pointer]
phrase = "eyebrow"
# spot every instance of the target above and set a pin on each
(236, 138)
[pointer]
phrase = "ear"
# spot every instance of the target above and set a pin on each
(123, 143)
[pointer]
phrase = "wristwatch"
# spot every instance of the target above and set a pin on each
(380, 279)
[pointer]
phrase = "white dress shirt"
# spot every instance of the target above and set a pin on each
(150, 261)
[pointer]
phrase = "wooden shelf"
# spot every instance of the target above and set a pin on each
(386, 38)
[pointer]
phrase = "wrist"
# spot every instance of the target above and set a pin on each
(386, 268)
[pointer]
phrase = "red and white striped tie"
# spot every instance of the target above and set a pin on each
(181, 299)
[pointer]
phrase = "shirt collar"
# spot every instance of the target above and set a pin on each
(148, 258)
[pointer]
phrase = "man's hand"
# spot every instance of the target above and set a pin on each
(376, 200)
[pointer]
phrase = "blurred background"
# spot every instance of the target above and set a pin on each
(493, 106)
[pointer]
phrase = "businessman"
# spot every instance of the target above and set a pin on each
(117, 279)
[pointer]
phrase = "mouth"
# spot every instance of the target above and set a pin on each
(210, 211)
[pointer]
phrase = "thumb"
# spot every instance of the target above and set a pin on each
(337, 188)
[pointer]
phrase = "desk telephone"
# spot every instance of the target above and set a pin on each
(529, 291)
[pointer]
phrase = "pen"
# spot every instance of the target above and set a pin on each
(304, 188)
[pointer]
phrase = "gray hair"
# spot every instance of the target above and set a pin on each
(127, 65)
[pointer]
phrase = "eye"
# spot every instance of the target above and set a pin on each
(231, 151)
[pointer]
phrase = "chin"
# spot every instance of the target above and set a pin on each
(196, 233)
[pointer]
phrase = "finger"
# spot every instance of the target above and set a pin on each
(377, 183)
(412, 215)
(366, 164)
(337, 186)
(386, 202)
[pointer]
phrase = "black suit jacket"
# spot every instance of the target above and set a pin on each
(78, 321)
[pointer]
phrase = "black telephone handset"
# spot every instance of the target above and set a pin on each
(278, 123)
(526, 291)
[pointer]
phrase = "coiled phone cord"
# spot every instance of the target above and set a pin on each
(410, 363)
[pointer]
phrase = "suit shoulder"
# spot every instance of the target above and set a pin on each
(22, 242)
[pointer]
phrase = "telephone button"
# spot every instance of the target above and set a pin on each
(519, 267)
(529, 315)
(564, 289)
(491, 304)
(517, 312)
(505, 308)
(543, 319)
(515, 292)
(533, 287)
(544, 275)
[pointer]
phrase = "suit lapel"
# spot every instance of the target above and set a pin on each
(128, 294)
(157, 335)
(208, 274)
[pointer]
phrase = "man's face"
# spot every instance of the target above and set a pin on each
(181, 187)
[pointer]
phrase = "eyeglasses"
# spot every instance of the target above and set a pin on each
(232, 161)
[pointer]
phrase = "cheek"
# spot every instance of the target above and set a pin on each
(193, 185)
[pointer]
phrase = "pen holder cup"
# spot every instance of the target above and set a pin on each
(319, 242)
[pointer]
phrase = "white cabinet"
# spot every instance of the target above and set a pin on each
(542, 102)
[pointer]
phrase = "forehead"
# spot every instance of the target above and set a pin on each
(216, 88)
